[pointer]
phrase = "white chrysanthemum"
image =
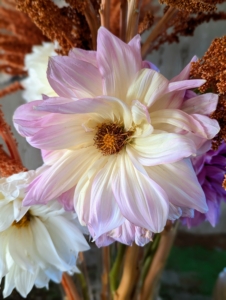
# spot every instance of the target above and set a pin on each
(38, 243)
(36, 64)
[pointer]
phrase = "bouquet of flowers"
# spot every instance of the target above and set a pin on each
(127, 153)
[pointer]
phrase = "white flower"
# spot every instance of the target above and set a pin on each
(36, 64)
(38, 243)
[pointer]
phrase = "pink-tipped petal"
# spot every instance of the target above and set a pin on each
(60, 177)
(84, 55)
(184, 74)
(101, 108)
(144, 204)
(74, 78)
(180, 183)
(203, 104)
(118, 62)
(185, 84)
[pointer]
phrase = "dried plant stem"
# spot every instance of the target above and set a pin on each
(92, 21)
(105, 275)
(105, 13)
(152, 279)
(83, 277)
(133, 18)
(123, 19)
(159, 28)
(8, 138)
(129, 275)
(12, 88)
(69, 288)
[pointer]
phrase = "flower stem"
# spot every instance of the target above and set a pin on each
(123, 19)
(148, 291)
(92, 21)
(105, 13)
(115, 270)
(83, 284)
(129, 275)
(160, 26)
(148, 257)
(69, 287)
(105, 275)
(133, 18)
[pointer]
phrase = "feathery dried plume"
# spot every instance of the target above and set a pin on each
(9, 166)
(67, 25)
(12, 88)
(193, 6)
(17, 35)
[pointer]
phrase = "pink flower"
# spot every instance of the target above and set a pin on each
(118, 139)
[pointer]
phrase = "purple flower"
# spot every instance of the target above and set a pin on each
(210, 170)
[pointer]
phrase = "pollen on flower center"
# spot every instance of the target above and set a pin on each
(111, 138)
(24, 221)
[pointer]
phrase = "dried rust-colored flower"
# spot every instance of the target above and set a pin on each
(9, 166)
(67, 25)
(220, 115)
(193, 6)
(17, 36)
(212, 67)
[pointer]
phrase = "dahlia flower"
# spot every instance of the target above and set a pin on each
(36, 64)
(210, 170)
(118, 139)
(38, 243)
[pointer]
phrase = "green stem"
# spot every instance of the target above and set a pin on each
(148, 257)
(84, 286)
(114, 278)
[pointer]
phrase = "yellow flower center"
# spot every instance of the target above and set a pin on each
(24, 221)
(111, 138)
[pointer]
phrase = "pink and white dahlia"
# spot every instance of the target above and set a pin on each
(38, 243)
(118, 138)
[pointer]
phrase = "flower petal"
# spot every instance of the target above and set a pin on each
(203, 104)
(144, 204)
(102, 214)
(118, 62)
(84, 55)
(161, 148)
(60, 177)
(147, 87)
(181, 184)
(184, 74)
(106, 108)
(74, 78)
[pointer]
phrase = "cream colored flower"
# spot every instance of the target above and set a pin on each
(38, 243)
